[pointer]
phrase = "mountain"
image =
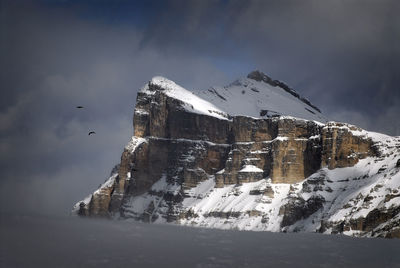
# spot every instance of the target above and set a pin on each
(261, 97)
(254, 155)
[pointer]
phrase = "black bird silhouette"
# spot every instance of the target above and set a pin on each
(91, 132)
(79, 107)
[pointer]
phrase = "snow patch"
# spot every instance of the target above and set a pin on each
(134, 143)
(108, 183)
(251, 168)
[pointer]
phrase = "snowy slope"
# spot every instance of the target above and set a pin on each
(245, 96)
(192, 103)
(259, 99)
(349, 194)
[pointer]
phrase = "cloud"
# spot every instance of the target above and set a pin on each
(59, 62)
(343, 56)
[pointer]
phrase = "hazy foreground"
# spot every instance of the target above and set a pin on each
(72, 242)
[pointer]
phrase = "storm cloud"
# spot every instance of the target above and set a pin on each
(342, 55)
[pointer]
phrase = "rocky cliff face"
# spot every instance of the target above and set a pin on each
(190, 162)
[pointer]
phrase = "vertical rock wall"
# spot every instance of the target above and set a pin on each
(341, 148)
(188, 148)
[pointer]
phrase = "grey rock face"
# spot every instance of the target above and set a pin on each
(298, 208)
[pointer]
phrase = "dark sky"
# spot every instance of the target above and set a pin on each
(54, 55)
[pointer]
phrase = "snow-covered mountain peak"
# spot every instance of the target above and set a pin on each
(192, 102)
(163, 84)
(256, 95)
(259, 96)
(260, 76)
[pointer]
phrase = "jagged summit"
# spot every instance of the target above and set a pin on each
(260, 76)
(259, 96)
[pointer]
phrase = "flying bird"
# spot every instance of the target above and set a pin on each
(79, 107)
(91, 132)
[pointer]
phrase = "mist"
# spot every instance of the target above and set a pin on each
(72, 242)
(55, 55)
